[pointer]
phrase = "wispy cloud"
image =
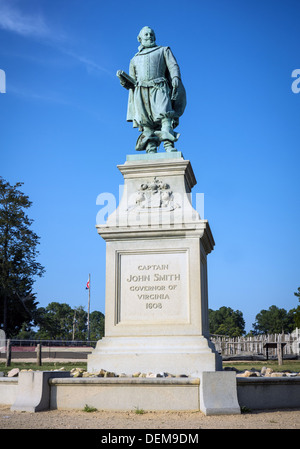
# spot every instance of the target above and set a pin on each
(14, 20)
(90, 65)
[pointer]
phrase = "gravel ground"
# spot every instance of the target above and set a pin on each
(61, 419)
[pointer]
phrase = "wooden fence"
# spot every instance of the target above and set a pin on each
(36, 351)
(256, 345)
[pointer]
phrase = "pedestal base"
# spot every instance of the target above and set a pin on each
(190, 355)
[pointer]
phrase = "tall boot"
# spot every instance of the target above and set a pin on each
(167, 135)
(147, 141)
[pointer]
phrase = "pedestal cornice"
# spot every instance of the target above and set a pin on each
(199, 229)
(159, 167)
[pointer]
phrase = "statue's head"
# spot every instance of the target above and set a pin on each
(146, 37)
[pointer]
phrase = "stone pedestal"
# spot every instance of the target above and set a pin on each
(156, 313)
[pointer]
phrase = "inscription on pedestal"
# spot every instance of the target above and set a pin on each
(153, 287)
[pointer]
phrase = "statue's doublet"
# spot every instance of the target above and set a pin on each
(153, 69)
(152, 64)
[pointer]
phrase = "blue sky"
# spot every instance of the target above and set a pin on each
(63, 131)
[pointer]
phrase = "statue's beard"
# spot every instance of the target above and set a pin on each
(148, 45)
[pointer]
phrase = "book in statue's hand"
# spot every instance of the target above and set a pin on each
(126, 81)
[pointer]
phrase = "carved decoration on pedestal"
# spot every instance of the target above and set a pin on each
(153, 195)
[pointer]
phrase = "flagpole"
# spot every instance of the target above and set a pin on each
(88, 317)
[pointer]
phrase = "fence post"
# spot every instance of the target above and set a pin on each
(279, 352)
(39, 354)
(8, 353)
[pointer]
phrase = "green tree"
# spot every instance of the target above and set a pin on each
(55, 322)
(18, 259)
(58, 321)
(296, 311)
(25, 333)
(79, 324)
(273, 321)
(226, 321)
(96, 325)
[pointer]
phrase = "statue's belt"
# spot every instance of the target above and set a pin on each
(151, 83)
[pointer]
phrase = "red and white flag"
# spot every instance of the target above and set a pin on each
(87, 285)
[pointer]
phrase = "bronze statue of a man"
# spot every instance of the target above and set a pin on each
(156, 94)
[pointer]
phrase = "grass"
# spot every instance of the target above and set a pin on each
(47, 366)
(287, 365)
(139, 411)
(89, 409)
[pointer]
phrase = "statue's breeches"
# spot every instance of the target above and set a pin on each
(151, 104)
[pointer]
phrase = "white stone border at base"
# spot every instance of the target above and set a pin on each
(215, 393)
(125, 394)
(171, 393)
